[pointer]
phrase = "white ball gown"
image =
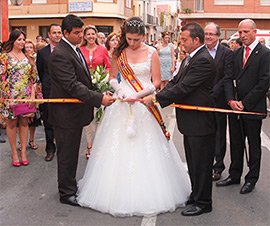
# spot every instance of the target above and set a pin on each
(133, 175)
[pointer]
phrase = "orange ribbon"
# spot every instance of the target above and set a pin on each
(181, 106)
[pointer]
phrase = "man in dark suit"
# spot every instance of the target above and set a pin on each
(70, 78)
(245, 91)
(55, 35)
(223, 59)
(193, 86)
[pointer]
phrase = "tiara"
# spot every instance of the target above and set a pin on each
(135, 23)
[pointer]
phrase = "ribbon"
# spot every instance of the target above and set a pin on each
(57, 100)
(181, 106)
(128, 74)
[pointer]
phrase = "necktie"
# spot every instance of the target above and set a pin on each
(187, 60)
(81, 58)
(246, 56)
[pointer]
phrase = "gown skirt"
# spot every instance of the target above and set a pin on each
(133, 169)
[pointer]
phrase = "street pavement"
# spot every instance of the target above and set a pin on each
(29, 193)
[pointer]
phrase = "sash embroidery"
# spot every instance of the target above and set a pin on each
(129, 76)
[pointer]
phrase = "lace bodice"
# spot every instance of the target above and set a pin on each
(142, 71)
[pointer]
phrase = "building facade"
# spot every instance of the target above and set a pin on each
(34, 16)
(169, 21)
(226, 13)
(147, 11)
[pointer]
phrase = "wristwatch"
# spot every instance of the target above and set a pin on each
(154, 99)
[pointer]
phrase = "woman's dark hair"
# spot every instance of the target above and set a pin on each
(164, 33)
(110, 36)
(84, 43)
(13, 36)
(133, 25)
(71, 21)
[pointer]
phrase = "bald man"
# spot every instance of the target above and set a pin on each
(246, 91)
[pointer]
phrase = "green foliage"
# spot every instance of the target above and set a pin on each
(187, 10)
(100, 82)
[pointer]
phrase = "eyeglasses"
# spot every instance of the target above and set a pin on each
(210, 34)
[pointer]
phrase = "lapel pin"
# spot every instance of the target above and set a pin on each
(257, 51)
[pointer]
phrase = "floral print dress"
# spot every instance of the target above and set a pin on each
(16, 81)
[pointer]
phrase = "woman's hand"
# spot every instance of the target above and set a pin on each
(32, 97)
(121, 94)
(32, 103)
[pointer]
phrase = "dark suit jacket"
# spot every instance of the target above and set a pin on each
(224, 64)
(252, 81)
(69, 79)
(193, 86)
(43, 71)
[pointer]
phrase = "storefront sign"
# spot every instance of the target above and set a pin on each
(80, 6)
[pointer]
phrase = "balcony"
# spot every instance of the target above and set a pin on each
(149, 19)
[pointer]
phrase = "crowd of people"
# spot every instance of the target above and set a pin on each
(133, 167)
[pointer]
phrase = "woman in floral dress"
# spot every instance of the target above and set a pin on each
(18, 78)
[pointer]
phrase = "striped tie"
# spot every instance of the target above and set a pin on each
(187, 60)
(246, 56)
(81, 59)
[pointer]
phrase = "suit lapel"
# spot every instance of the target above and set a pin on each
(48, 50)
(177, 77)
(252, 56)
(72, 51)
(239, 61)
(183, 69)
(85, 63)
(218, 54)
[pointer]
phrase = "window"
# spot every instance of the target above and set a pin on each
(128, 3)
(227, 33)
(43, 31)
(229, 2)
(199, 5)
(39, 1)
(105, 29)
(265, 2)
(23, 28)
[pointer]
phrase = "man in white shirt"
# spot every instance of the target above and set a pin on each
(71, 79)
(223, 59)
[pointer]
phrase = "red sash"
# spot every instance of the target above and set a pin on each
(128, 74)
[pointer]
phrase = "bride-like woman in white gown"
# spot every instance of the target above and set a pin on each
(133, 169)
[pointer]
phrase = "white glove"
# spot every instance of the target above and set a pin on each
(115, 85)
(120, 94)
(146, 91)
